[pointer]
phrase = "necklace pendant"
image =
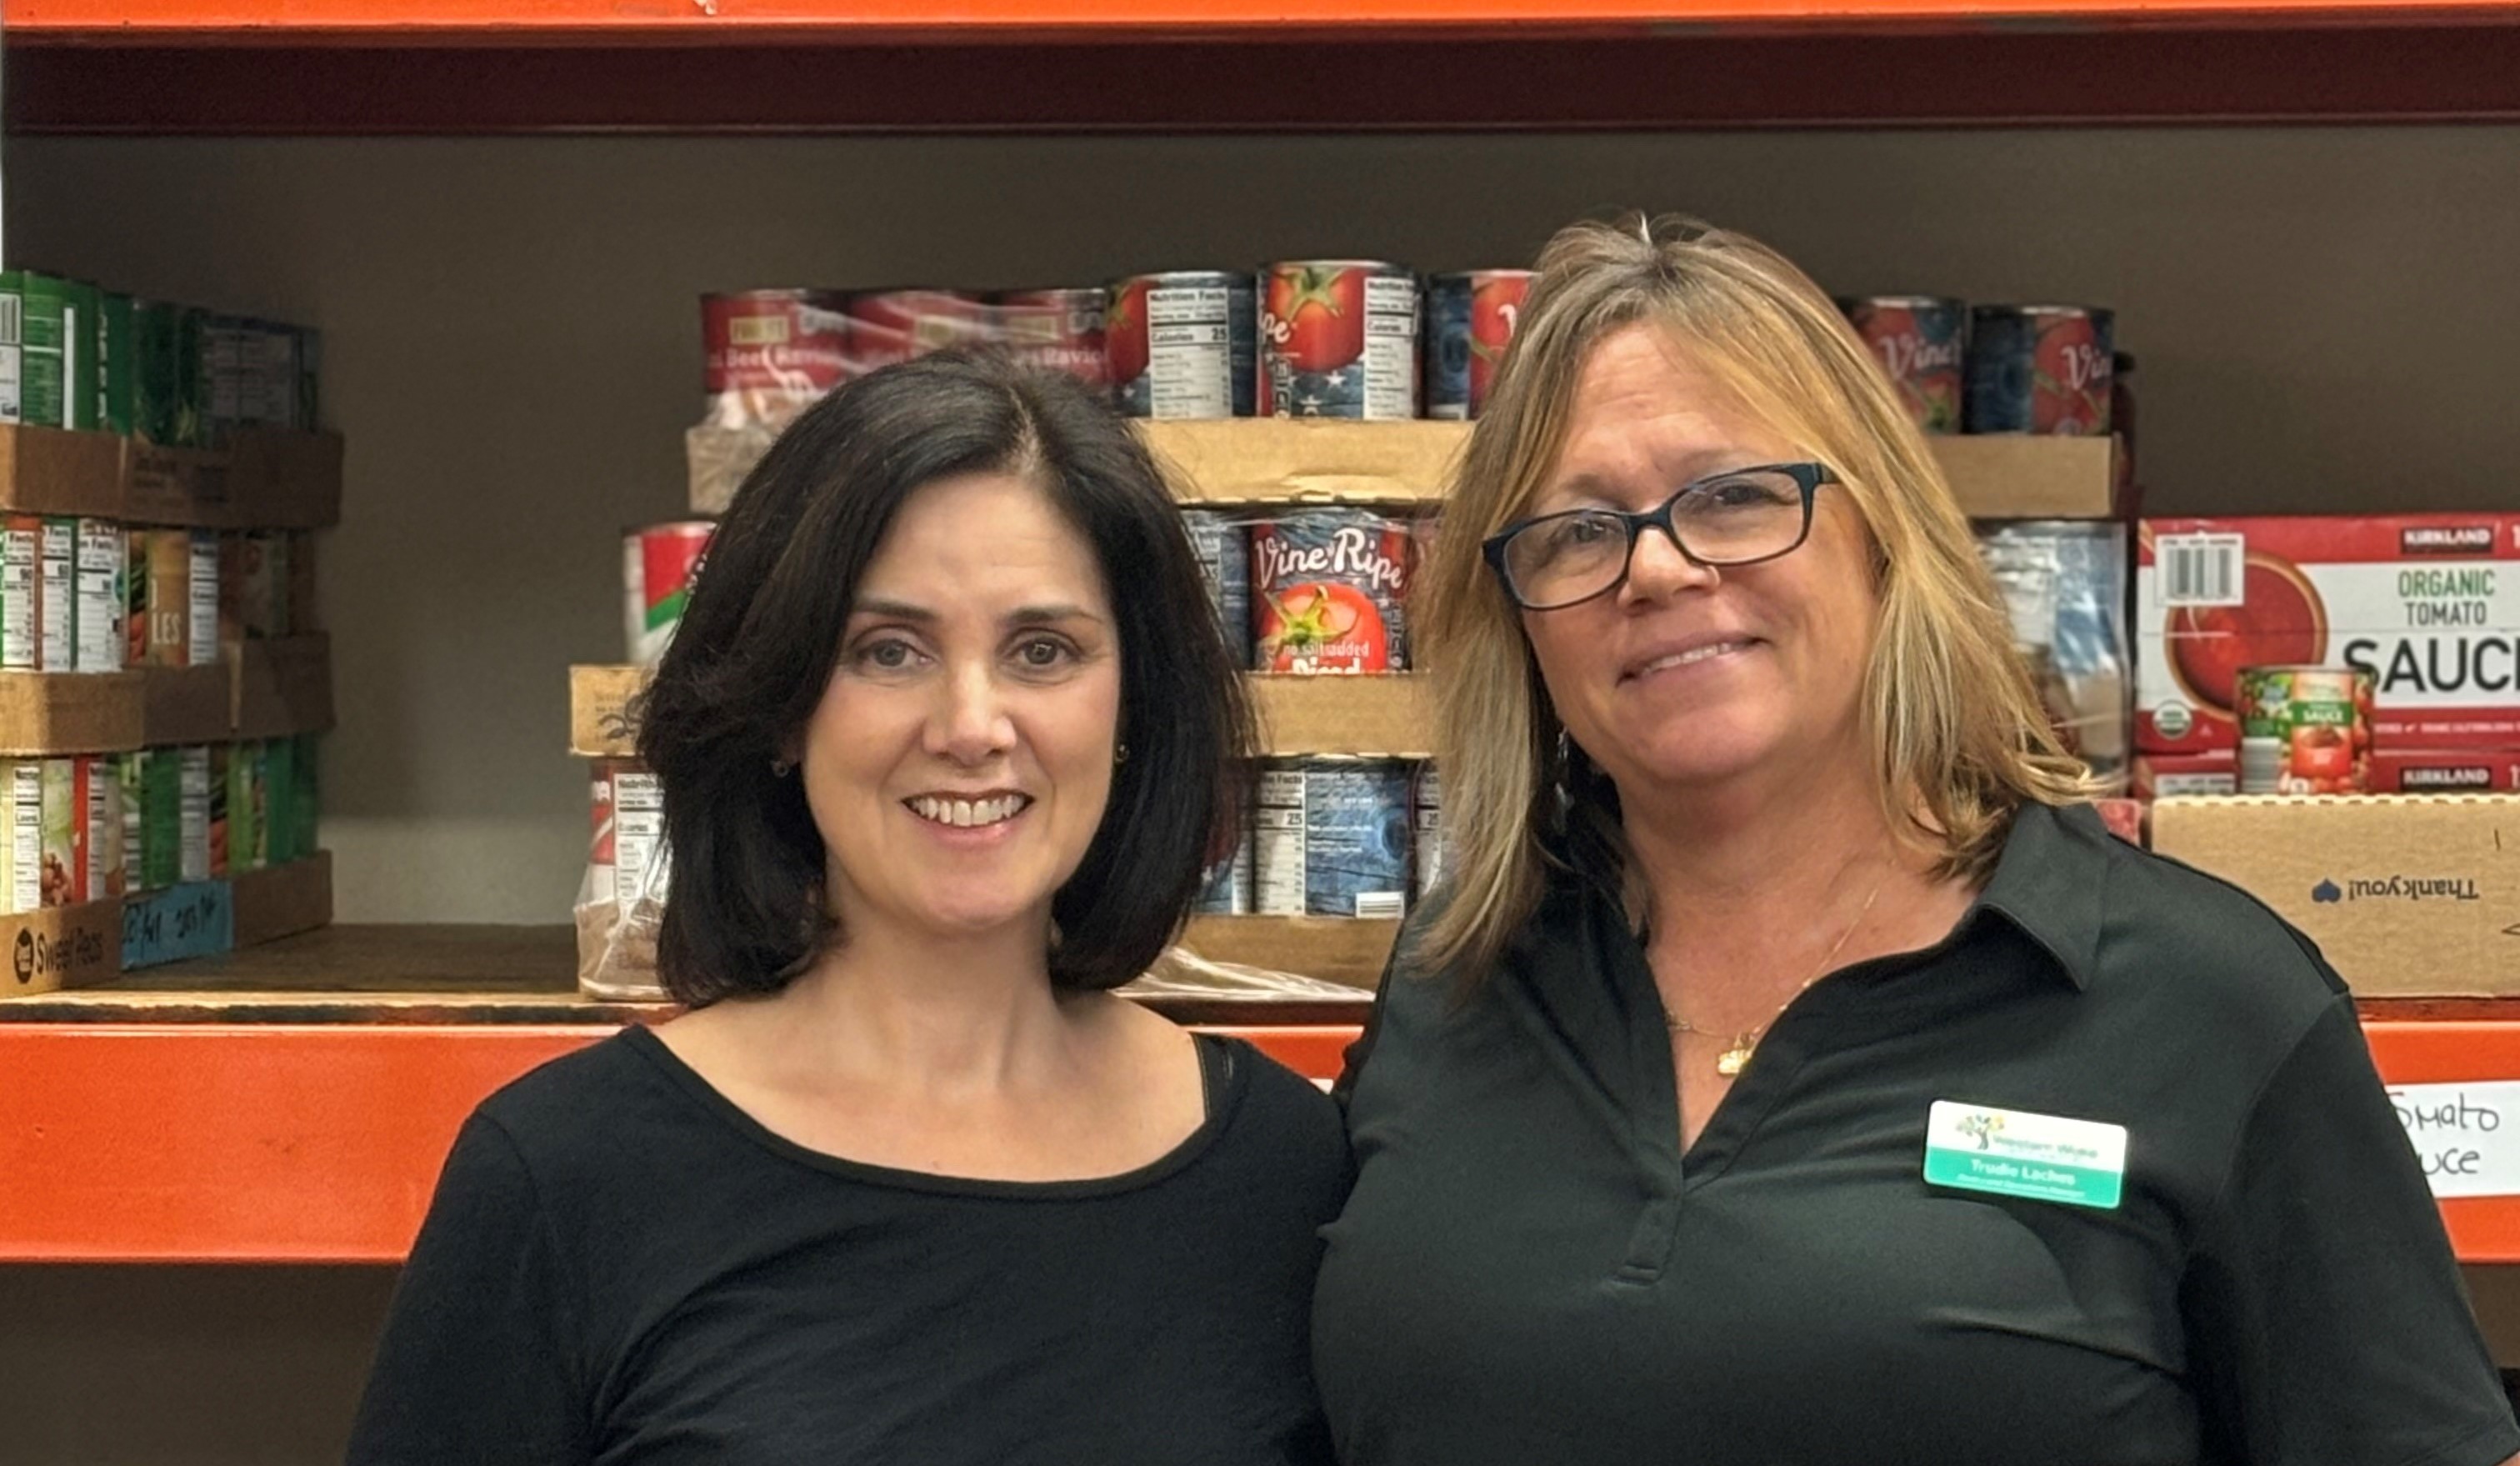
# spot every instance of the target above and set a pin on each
(1733, 1060)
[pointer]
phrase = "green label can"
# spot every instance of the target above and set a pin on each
(248, 798)
(52, 357)
(163, 828)
(157, 372)
(277, 823)
(2304, 729)
(83, 388)
(118, 401)
(12, 345)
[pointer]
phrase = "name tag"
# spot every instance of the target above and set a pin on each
(2046, 1158)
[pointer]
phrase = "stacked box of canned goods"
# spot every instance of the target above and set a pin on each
(77, 355)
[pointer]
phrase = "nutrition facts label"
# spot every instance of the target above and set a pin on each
(1390, 348)
(1278, 843)
(194, 819)
(638, 833)
(1189, 352)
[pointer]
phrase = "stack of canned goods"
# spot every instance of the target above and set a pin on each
(1335, 339)
(1307, 591)
(88, 595)
(89, 827)
(2041, 369)
(75, 355)
(1331, 835)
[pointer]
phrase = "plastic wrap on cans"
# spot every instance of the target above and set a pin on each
(103, 605)
(1331, 837)
(623, 893)
(1339, 338)
(657, 563)
(1056, 329)
(2304, 729)
(1427, 815)
(2065, 584)
(1469, 322)
(2043, 369)
(1225, 563)
(771, 354)
(887, 326)
(1183, 344)
(1328, 588)
(1918, 342)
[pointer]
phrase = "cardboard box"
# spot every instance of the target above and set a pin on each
(188, 704)
(69, 712)
(283, 686)
(2175, 776)
(598, 710)
(2407, 896)
(2020, 475)
(2449, 771)
(283, 901)
(49, 470)
(1309, 461)
(1341, 714)
(66, 946)
(184, 487)
(1335, 949)
(2429, 604)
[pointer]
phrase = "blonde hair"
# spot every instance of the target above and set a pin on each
(1961, 736)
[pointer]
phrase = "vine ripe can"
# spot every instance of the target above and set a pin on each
(1328, 592)
(1331, 837)
(2304, 729)
(657, 563)
(1339, 338)
(772, 353)
(1918, 340)
(1469, 322)
(2043, 369)
(1059, 330)
(1183, 344)
(1225, 563)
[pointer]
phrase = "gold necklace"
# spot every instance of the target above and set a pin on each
(1736, 1057)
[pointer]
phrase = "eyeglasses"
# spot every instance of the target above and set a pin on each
(1739, 517)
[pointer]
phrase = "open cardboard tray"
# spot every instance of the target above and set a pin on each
(263, 480)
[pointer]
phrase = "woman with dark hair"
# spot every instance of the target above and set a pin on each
(943, 739)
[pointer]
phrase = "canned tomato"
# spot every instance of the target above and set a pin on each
(1328, 587)
(2304, 729)
(1427, 815)
(1331, 837)
(1225, 563)
(890, 325)
(1918, 340)
(1059, 330)
(771, 354)
(599, 856)
(1469, 322)
(1339, 338)
(2038, 369)
(1183, 344)
(657, 563)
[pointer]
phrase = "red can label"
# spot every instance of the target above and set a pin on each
(1057, 331)
(772, 353)
(1339, 338)
(1918, 340)
(657, 564)
(1469, 322)
(891, 326)
(1328, 590)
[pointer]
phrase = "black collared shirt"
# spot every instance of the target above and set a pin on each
(1530, 1270)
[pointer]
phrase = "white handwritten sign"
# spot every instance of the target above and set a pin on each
(2467, 1136)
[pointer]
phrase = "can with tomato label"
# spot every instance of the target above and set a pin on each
(2304, 729)
(1059, 330)
(1225, 561)
(1469, 322)
(772, 353)
(1339, 338)
(1331, 837)
(2041, 369)
(887, 326)
(1183, 344)
(1918, 340)
(657, 563)
(1328, 588)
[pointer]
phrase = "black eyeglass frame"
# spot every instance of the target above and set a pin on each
(1807, 477)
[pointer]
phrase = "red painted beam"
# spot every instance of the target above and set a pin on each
(2417, 72)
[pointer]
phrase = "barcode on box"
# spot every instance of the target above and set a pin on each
(1388, 905)
(2200, 569)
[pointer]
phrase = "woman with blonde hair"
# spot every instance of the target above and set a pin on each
(1793, 1068)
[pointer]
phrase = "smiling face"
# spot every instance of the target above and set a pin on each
(960, 761)
(1686, 677)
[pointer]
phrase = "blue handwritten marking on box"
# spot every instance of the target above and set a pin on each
(194, 920)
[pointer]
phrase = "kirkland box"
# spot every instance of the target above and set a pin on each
(2407, 896)
(2429, 604)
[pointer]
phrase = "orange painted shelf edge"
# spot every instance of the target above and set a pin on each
(273, 1143)
(320, 1143)
(1081, 19)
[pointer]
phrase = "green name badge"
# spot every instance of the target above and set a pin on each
(2041, 1157)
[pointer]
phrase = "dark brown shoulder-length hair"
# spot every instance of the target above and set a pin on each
(761, 636)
